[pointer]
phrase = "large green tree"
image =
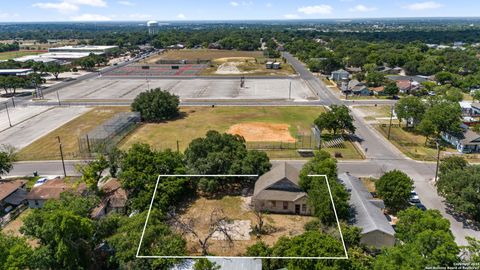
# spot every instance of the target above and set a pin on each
(158, 240)
(394, 188)
(337, 119)
(425, 241)
(223, 154)
(156, 105)
(410, 109)
(442, 116)
(317, 189)
(140, 168)
(15, 253)
(66, 239)
(460, 188)
(6, 163)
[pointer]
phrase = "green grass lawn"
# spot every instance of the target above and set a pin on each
(16, 54)
(198, 120)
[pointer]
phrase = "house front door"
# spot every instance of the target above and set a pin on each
(297, 209)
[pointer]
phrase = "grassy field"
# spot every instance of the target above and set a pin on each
(16, 54)
(198, 120)
(46, 148)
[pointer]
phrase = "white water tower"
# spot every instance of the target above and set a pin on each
(152, 27)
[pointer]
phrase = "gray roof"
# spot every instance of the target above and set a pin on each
(341, 71)
(470, 137)
(368, 216)
(280, 172)
(279, 195)
(407, 78)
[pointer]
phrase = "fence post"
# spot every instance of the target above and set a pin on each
(88, 144)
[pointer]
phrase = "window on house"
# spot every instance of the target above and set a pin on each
(304, 208)
(36, 203)
(285, 205)
(274, 203)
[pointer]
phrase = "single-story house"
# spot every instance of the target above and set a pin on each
(278, 191)
(466, 142)
(12, 194)
(367, 214)
(52, 190)
(114, 200)
(407, 86)
(356, 88)
(339, 75)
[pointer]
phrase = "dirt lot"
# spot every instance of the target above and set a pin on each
(236, 209)
(262, 132)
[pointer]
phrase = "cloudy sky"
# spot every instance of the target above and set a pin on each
(163, 10)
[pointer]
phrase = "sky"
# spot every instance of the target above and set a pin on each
(171, 10)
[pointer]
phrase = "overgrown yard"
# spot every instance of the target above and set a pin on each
(237, 210)
(46, 148)
(196, 121)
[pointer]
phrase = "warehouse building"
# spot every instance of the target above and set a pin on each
(83, 49)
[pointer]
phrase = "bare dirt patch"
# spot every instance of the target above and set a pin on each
(262, 132)
(241, 218)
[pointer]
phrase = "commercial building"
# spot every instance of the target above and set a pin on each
(83, 49)
(38, 58)
(16, 72)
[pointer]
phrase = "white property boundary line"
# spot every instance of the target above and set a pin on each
(138, 256)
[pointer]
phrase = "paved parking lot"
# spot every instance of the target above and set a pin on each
(201, 88)
(23, 134)
(18, 115)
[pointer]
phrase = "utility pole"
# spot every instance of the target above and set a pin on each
(8, 115)
(13, 102)
(390, 126)
(438, 161)
(58, 98)
(61, 154)
(290, 92)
